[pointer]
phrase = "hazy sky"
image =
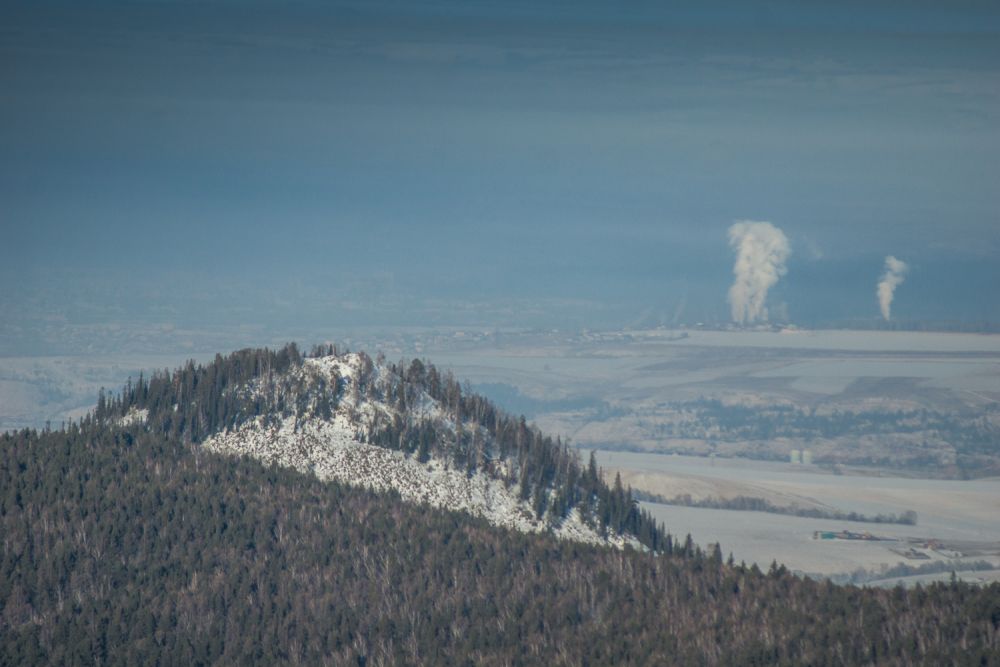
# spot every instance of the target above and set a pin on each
(496, 163)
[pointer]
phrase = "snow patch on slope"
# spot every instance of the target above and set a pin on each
(134, 416)
(330, 449)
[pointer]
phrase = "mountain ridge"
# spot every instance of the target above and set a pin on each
(409, 428)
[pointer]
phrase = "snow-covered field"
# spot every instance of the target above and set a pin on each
(954, 512)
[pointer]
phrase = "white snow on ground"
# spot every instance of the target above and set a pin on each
(330, 450)
(135, 416)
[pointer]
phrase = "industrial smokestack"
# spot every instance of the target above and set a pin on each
(895, 274)
(761, 251)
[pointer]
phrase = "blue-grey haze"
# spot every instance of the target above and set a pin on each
(216, 164)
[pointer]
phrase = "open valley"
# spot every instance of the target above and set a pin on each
(957, 521)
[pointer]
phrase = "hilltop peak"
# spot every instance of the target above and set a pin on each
(399, 427)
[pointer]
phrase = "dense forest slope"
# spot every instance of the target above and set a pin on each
(125, 541)
(404, 427)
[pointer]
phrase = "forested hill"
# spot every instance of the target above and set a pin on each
(120, 545)
(401, 426)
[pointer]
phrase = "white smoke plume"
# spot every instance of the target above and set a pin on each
(761, 251)
(895, 274)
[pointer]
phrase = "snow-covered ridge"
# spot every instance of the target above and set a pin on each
(332, 449)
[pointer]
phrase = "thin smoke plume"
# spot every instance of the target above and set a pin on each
(761, 251)
(895, 274)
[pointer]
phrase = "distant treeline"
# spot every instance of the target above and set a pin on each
(863, 576)
(752, 504)
(745, 422)
(969, 439)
